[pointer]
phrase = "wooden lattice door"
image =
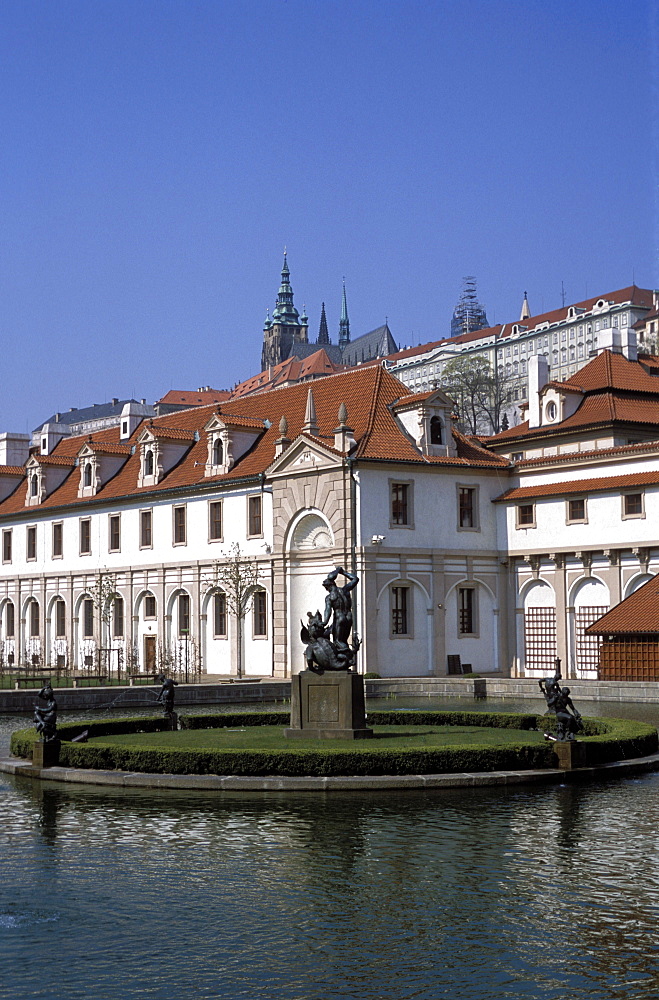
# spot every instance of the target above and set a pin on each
(586, 647)
(540, 640)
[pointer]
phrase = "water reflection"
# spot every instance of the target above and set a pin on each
(543, 893)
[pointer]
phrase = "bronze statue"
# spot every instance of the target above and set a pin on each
(45, 719)
(167, 690)
(322, 653)
(568, 719)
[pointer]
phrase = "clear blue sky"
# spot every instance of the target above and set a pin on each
(156, 157)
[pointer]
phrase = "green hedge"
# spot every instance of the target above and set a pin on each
(606, 740)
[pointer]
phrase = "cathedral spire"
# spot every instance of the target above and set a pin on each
(323, 332)
(526, 309)
(344, 323)
(285, 311)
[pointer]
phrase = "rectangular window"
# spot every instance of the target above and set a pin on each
(85, 537)
(149, 606)
(6, 546)
(466, 611)
(57, 540)
(115, 533)
(260, 616)
(254, 516)
(31, 543)
(183, 615)
(401, 504)
(632, 505)
(526, 515)
(468, 508)
(118, 617)
(34, 619)
(215, 521)
(88, 618)
(576, 511)
(399, 608)
(220, 615)
(60, 619)
(145, 529)
(10, 621)
(179, 526)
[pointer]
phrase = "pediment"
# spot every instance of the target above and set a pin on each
(304, 455)
(215, 424)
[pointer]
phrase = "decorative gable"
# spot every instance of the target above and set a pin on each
(228, 439)
(45, 473)
(427, 419)
(303, 455)
(98, 464)
(161, 448)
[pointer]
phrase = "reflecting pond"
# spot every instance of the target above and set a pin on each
(478, 894)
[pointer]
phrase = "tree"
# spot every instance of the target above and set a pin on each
(482, 394)
(236, 576)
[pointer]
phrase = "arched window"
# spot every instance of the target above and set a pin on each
(148, 463)
(435, 430)
(88, 474)
(217, 452)
(34, 485)
(34, 619)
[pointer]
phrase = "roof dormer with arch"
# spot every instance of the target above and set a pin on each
(99, 462)
(427, 418)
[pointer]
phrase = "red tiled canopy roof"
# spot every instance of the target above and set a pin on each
(638, 613)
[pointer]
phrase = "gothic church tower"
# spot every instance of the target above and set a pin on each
(286, 327)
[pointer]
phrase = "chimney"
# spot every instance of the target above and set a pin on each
(629, 344)
(538, 378)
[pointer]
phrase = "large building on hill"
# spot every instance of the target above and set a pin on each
(286, 334)
(113, 541)
(568, 338)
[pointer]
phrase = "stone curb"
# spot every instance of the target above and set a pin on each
(235, 783)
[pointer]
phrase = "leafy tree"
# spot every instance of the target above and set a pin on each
(481, 393)
(237, 576)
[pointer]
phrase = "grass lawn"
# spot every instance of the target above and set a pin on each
(272, 738)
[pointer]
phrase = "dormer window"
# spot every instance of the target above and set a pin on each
(148, 463)
(436, 435)
(218, 452)
(87, 478)
(34, 485)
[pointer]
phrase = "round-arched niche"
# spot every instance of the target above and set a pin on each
(311, 532)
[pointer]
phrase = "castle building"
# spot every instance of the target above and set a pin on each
(285, 334)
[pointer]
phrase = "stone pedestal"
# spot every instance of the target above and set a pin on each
(328, 706)
(570, 753)
(45, 754)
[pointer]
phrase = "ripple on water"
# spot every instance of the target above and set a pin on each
(479, 894)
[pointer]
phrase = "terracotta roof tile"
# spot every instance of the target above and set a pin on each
(12, 470)
(638, 613)
(367, 392)
(186, 397)
(601, 484)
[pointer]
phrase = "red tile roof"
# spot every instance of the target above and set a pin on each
(572, 456)
(202, 397)
(289, 371)
(12, 470)
(367, 392)
(638, 613)
(601, 484)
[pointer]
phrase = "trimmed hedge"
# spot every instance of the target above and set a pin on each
(606, 740)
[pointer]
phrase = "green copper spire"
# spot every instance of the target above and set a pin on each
(344, 323)
(285, 311)
(323, 333)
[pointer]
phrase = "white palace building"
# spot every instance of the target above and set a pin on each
(501, 550)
